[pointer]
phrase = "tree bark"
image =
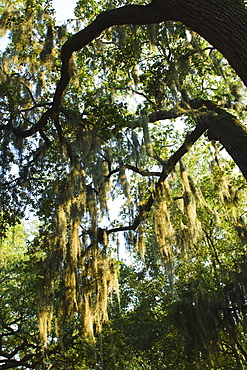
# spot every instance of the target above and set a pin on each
(223, 23)
(222, 126)
(225, 128)
(232, 134)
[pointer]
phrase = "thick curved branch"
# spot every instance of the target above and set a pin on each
(129, 14)
(223, 23)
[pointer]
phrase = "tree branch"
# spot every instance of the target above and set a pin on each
(166, 114)
(167, 168)
(141, 172)
(35, 128)
(129, 14)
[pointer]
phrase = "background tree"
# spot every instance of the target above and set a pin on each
(110, 135)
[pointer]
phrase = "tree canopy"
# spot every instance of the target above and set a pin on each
(125, 125)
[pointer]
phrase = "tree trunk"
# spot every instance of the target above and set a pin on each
(223, 23)
(232, 134)
(225, 128)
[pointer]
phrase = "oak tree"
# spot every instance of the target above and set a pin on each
(87, 122)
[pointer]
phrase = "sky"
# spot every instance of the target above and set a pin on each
(64, 9)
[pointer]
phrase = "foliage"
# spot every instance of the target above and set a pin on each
(104, 158)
